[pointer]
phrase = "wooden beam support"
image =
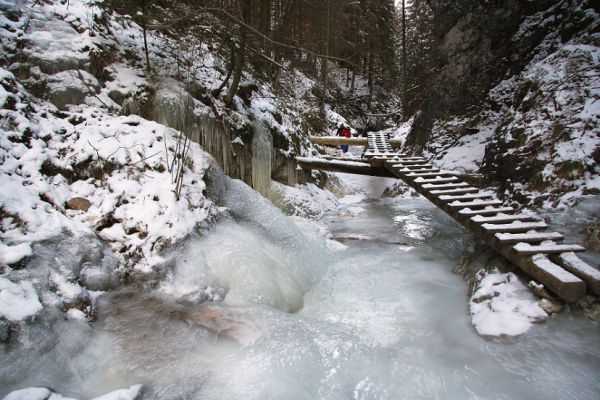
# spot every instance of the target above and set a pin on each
(351, 167)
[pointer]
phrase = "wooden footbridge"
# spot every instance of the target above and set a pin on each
(521, 238)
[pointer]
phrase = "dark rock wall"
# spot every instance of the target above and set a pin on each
(476, 51)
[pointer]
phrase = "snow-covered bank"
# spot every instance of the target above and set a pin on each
(84, 173)
(503, 306)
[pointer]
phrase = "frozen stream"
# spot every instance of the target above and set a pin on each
(382, 319)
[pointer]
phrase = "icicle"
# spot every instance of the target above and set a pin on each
(262, 156)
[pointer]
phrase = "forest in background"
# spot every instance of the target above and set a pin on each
(391, 45)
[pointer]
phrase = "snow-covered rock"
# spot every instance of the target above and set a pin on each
(18, 301)
(503, 305)
(71, 87)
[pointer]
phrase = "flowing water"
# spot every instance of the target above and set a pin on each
(383, 318)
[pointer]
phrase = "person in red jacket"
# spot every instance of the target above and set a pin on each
(344, 131)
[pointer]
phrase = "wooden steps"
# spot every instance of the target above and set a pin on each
(521, 238)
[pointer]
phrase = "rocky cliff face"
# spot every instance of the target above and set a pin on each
(516, 99)
(477, 49)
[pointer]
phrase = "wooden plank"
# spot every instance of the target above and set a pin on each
(375, 153)
(424, 180)
(440, 174)
(568, 286)
(406, 163)
(468, 196)
(455, 191)
(504, 218)
(527, 249)
(404, 158)
(351, 167)
(413, 166)
(388, 158)
(412, 172)
(485, 211)
(474, 203)
(514, 227)
(578, 267)
(535, 237)
(444, 185)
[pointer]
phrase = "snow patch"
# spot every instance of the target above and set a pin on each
(18, 301)
(503, 305)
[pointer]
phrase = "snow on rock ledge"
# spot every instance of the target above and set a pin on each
(123, 165)
(502, 305)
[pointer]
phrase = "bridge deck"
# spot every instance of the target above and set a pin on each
(521, 238)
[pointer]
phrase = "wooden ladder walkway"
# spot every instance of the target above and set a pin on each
(521, 238)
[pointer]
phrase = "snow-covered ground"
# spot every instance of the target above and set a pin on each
(94, 197)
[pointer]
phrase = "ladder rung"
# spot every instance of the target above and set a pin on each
(533, 237)
(455, 191)
(514, 227)
(485, 211)
(528, 249)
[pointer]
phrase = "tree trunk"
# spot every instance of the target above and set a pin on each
(217, 91)
(241, 58)
(404, 69)
(371, 79)
(144, 17)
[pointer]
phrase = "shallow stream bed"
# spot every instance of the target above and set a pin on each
(383, 318)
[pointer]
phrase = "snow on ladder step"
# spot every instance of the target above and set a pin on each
(474, 203)
(546, 248)
(580, 268)
(515, 226)
(413, 166)
(569, 286)
(486, 211)
(406, 157)
(420, 172)
(456, 190)
(405, 162)
(390, 158)
(429, 174)
(500, 218)
(534, 237)
(376, 152)
(445, 185)
(470, 196)
(436, 179)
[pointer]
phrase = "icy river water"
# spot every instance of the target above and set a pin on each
(383, 318)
